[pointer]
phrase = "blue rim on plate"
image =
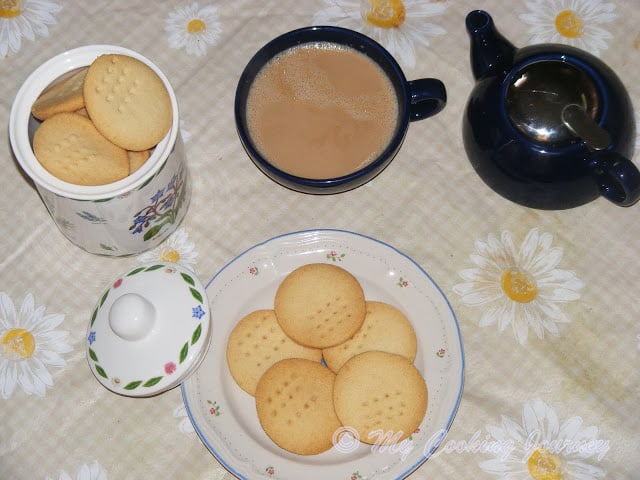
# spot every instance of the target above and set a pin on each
(224, 416)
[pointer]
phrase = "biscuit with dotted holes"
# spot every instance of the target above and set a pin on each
(381, 395)
(294, 402)
(69, 147)
(256, 343)
(64, 96)
(320, 305)
(385, 328)
(127, 101)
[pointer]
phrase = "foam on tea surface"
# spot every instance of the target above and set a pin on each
(321, 111)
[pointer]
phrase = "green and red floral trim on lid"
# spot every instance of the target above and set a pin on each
(170, 366)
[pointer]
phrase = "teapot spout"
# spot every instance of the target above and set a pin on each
(490, 51)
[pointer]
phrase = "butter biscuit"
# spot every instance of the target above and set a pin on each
(320, 305)
(63, 96)
(256, 343)
(69, 147)
(381, 395)
(385, 328)
(294, 402)
(127, 101)
(137, 159)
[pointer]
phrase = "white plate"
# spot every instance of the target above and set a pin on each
(224, 415)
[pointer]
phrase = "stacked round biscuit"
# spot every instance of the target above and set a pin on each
(368, 381)
(100, 123)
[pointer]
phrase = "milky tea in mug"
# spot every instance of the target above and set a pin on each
(321, 110)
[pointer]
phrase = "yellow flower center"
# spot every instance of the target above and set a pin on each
(170, 256)
(18, 343)
(543, 465)
(196, 26)
(519, 286)
(568, 24)
(10, 8)
(385, 13)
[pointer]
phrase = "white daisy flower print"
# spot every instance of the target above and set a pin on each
(580, 23)
(29, 343)
(94, 471)
(24, 19)
(176, 249)
(540, 448)
(193, 28)
(396, 24)
(185, 425)
(519, 287)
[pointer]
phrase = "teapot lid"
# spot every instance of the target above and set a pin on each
(554, 103)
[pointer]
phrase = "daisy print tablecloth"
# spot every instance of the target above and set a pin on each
(545, 302)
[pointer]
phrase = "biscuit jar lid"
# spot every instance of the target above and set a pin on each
(149, 330)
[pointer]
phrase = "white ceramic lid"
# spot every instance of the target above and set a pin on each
(149, 330)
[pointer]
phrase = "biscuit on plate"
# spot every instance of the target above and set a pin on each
(69, 147)
(64, 96)
(385, 328)
(320, 305)
(256, 343)
(294, 402)
(381, 395)
(127, 101)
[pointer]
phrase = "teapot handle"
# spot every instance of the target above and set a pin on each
(428, 97)
(618, 178)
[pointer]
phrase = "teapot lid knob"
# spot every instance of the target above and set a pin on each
(538, 94)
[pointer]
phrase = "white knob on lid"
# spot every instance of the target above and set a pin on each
(150, 329)
(132, 316)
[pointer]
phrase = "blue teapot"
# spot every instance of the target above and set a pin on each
(547, 126)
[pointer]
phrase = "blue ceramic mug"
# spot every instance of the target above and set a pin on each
(416, 99)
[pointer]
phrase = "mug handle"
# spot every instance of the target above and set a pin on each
(618, 178)
(428, 97)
